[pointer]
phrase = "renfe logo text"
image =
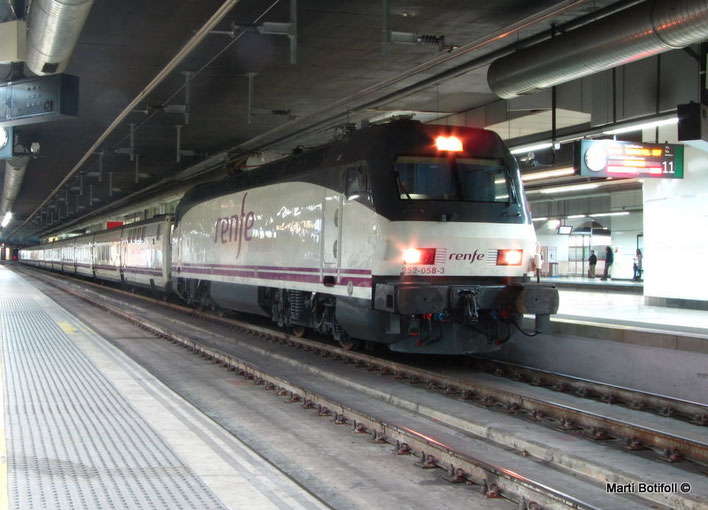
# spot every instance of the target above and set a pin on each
(235, 228)
(467, 256)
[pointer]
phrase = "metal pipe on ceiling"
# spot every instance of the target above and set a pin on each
(53, 31)
(14, 174)
(164, 72)
(641, 31)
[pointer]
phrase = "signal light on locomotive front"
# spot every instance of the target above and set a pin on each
(449, 143)
(509, 257)
(419, 256)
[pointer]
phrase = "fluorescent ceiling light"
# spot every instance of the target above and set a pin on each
(546, 174)
(574, 187)
(573, 216)
(6, 219)
(530, 148)
(619, 213)
(643, 125)
(544, 218)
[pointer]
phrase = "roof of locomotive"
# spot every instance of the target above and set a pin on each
(354, 146)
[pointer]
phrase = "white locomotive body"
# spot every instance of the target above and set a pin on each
(411, 235)
(380, 237)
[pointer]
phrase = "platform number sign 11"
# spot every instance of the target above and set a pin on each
(611, 158)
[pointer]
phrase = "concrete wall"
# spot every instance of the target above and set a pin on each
(676, 232)
(624, 241)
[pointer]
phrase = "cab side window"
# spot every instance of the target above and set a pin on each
(356, 182)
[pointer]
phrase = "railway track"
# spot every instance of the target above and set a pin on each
(492, 480)
(661, 405)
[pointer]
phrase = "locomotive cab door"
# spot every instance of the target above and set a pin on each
(332, 232)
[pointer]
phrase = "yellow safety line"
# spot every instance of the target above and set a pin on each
(68, 328)
(4, 499)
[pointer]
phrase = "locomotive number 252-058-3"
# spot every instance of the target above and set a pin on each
(423, 270)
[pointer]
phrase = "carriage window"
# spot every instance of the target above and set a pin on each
(157, 235)
(469, 179)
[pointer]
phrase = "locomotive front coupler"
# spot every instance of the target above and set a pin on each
(467, 301)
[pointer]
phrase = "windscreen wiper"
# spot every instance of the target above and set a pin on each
(401, 186)
(510, 185)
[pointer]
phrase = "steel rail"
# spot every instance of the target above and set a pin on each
(670, 447)
(664, 405)
(492, 481)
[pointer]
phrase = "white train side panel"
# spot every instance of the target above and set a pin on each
(106, 255)
(144, 254)
(285, 235)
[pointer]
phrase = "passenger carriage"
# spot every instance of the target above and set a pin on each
(145, 253)
(106, 255)
(415, 236)
(83, 253)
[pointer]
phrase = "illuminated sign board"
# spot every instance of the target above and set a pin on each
(39, 99)
(610, 158)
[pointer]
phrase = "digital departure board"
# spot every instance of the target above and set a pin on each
(609, 158)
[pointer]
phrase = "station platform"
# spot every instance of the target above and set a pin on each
(82, 426)
(596, 284)
(615, 310)
(621, 302)
(625, 309)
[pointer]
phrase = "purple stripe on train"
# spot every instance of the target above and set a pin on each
(275, 268)
(273, 275)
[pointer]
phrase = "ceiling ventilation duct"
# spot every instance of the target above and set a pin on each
(53, 29)
(14, 173)
(638, 32)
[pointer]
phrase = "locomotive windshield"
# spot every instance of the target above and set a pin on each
(469, 179)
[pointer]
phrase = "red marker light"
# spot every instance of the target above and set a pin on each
(419, 256)
(449, 143)
(509, 257)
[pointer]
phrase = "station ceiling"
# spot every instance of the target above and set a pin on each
(341, 76)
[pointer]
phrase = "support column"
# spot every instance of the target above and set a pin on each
(675, 243)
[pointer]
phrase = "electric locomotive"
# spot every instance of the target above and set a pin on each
(411, 235)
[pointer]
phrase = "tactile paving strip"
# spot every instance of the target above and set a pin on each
(72, 441)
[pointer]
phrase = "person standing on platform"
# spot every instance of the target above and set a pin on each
(592, 261)
(638, 266)
(609, 259)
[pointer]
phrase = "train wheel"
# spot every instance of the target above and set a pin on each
(299, 331)
(349, 344)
